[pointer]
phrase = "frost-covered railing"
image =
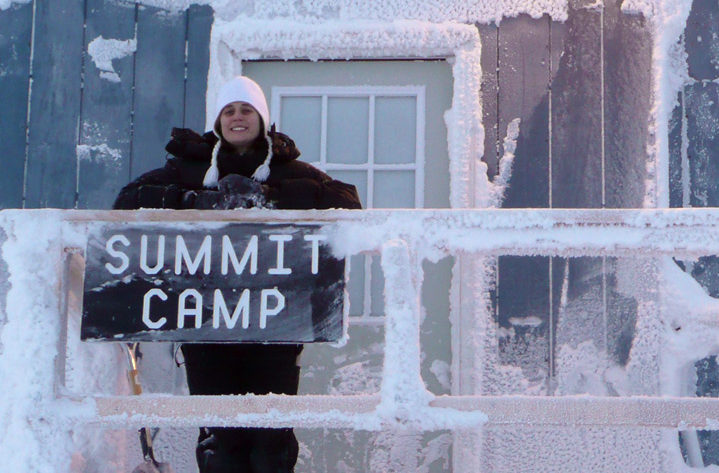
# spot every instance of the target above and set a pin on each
(404, 238)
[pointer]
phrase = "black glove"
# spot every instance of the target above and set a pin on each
(237, 184)
(185, 143)
(203, 200)
(242, 192)
(235, 192)
(150, 197)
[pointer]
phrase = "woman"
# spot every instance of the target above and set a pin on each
(240, 164)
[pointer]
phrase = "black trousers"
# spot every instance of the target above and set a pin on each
(217, 369)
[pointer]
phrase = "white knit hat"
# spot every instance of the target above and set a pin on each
(240, 89)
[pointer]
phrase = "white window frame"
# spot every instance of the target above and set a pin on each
(371, 93)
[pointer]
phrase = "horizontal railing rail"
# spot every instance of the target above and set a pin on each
(562, 232)
(355, 411)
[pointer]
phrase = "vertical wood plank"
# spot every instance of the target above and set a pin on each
(702, 111)
(199, 25)
(676, 177)
(159, 86)
(627, 103)
(702, 40)
(104, 149)
(576, 113)
(523, 284)
(55, 104)
(464, 373)
(523, 314)
(577, 172)
(15, 38)
(488, 35)
(557, 266)
(523, 58)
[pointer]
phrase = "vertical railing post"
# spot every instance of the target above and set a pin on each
(402, 387)
(403, 394)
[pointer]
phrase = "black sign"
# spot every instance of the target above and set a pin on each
(212, 283)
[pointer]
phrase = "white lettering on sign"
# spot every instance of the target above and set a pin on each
(264, 310)
(228, 253)
(220, 308)
(160, 255)
(280, 266)
(146, 308)
(220, 311)
(229, 260)
(315, 239)
(184, 311)
(183, 254)
(110, 248)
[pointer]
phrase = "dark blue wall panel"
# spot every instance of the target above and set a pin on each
(627, 102)
(55, 104)
(159, 86)
(105, 130)
(524, 76)
(490, 88)
(676, 188)
(702, 40)
(576, 115)
(702, 109)
(577, 182)
(199, 25)
(15, 38)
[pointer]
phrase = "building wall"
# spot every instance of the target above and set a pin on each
(76, 130)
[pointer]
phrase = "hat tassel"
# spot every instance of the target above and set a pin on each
(212, 176)
(263, 170)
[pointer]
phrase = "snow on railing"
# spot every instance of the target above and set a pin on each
(404, 239)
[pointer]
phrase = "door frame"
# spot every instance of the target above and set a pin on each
(469, 185)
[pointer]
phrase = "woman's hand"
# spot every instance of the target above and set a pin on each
(234, 192)
(240, 185)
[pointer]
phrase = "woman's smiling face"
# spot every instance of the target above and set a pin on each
(240, 124)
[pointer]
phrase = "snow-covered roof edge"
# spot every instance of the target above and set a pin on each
(241, 39)
(464, 11)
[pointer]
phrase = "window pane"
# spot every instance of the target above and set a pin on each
(394, 189)
(347, 129)
(395, 130)
(302, 121)
(357, 179)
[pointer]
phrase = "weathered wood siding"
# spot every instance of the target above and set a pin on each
(72, 137)
(582, 91)
(694, 167)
